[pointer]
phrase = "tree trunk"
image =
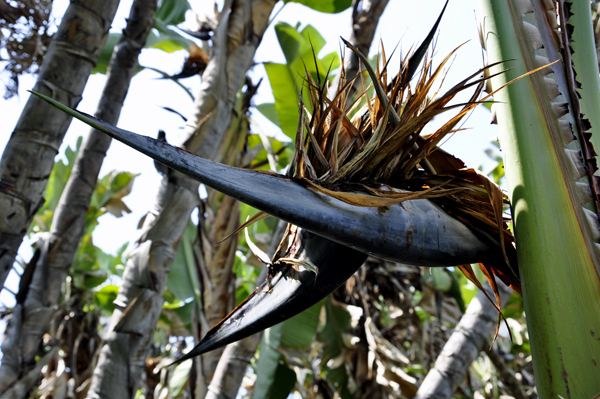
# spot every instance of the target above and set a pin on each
(365, 18)
(29, 155)
(469, 338)
(43, 293)
(232, 367)
(236, 357)
(513, 386)
(139, 302)
(217, 261)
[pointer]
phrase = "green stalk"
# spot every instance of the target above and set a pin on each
(586, 64)
(557, 257)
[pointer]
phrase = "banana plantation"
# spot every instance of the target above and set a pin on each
(308, 232)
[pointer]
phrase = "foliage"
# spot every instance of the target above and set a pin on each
(328, 6)
(301, 49)
(91, 266)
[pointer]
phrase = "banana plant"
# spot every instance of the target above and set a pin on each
(545, 125)
(339, 196)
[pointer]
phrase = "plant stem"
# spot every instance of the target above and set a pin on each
(561, 288)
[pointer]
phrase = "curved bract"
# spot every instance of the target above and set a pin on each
(415, 232)
(286, 294)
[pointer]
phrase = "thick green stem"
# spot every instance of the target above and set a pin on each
(556, 256)
(585, 62)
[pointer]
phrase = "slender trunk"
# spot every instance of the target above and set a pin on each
(217, 296)
(217, 262)
(505, 374)
(470, 337)
(232, 367)
(29, 155)
(139, 302)
(365, 18)
(43, 293)
(236, 357)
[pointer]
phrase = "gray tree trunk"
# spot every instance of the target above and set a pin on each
(365, 18)
(232, 367)
(218, 294)
(43, 293)
(29, 155)
(513, 386)
(139, 302)
(472, 334)
(236, 357)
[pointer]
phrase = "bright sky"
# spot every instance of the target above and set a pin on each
(406, 21)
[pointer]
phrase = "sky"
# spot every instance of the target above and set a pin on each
(402, 21)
